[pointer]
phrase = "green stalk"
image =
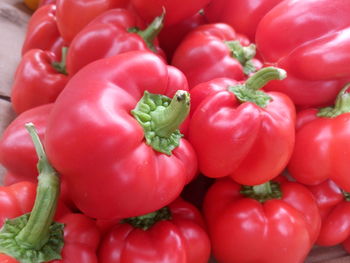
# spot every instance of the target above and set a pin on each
(151, 32)
(250, 90)
(61, 66)
(145, 222)
(342, 105)
(34, 237)
(161, 117)
(262, 192)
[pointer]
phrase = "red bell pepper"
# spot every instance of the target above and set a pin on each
(242, 132)
(269, 223)
(39, 79)
(74, 15)
(322, 143)
(176, 11)
(171, 36)
(114, 32)
(243, 16)
(213, 51)
(317, 60)
(34, 237)
(335, 210)
(16, 199)
(175, 233)
(17, 153)
(42, 32)
(81, 239)
(113, 135)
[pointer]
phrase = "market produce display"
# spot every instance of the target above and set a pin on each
(209, 131)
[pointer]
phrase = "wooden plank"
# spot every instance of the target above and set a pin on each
(14, 16)
(13, 21)
(6, 116)
(327, 254)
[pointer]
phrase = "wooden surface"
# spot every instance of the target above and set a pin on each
(13, 20)
(14, 17)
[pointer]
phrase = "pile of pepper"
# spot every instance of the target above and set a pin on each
(170, 131)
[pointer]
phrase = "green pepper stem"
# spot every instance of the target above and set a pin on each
(250, 90)
(262, 189)
(241, 53)
(36, 232)
(346, 195)
(262, 192)
(263, 76)
(147, 221)
(150, 33)
(342, 104)
(60, 66)
(244, 54)
(167, 120)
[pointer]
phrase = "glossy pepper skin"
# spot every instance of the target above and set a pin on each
(249, 142)
(98, 146)
(108, 35)
(204, 54)
(16, 199)
(42, 32)
(37, 81)
(180, 238)
(317, 61)
(243, 16)
(176, 11)
(321, 149)
(335, 208)
(17, 153)
(69, 10)
(81, 239)
(243, 229)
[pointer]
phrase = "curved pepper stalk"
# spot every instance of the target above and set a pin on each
(160, 117)
(34, 237)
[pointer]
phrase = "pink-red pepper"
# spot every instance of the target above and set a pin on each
(17, 153)
(16, 199)
(240, 131)
(42, 32)
(213, 51)
(310, 40)
(114, 136)
(175, 233)
(243, 16)
(334, 207)
(269, 223)
(39, 79)
(114, 32)
(322, 144)
(74, 15)
(81, 239)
